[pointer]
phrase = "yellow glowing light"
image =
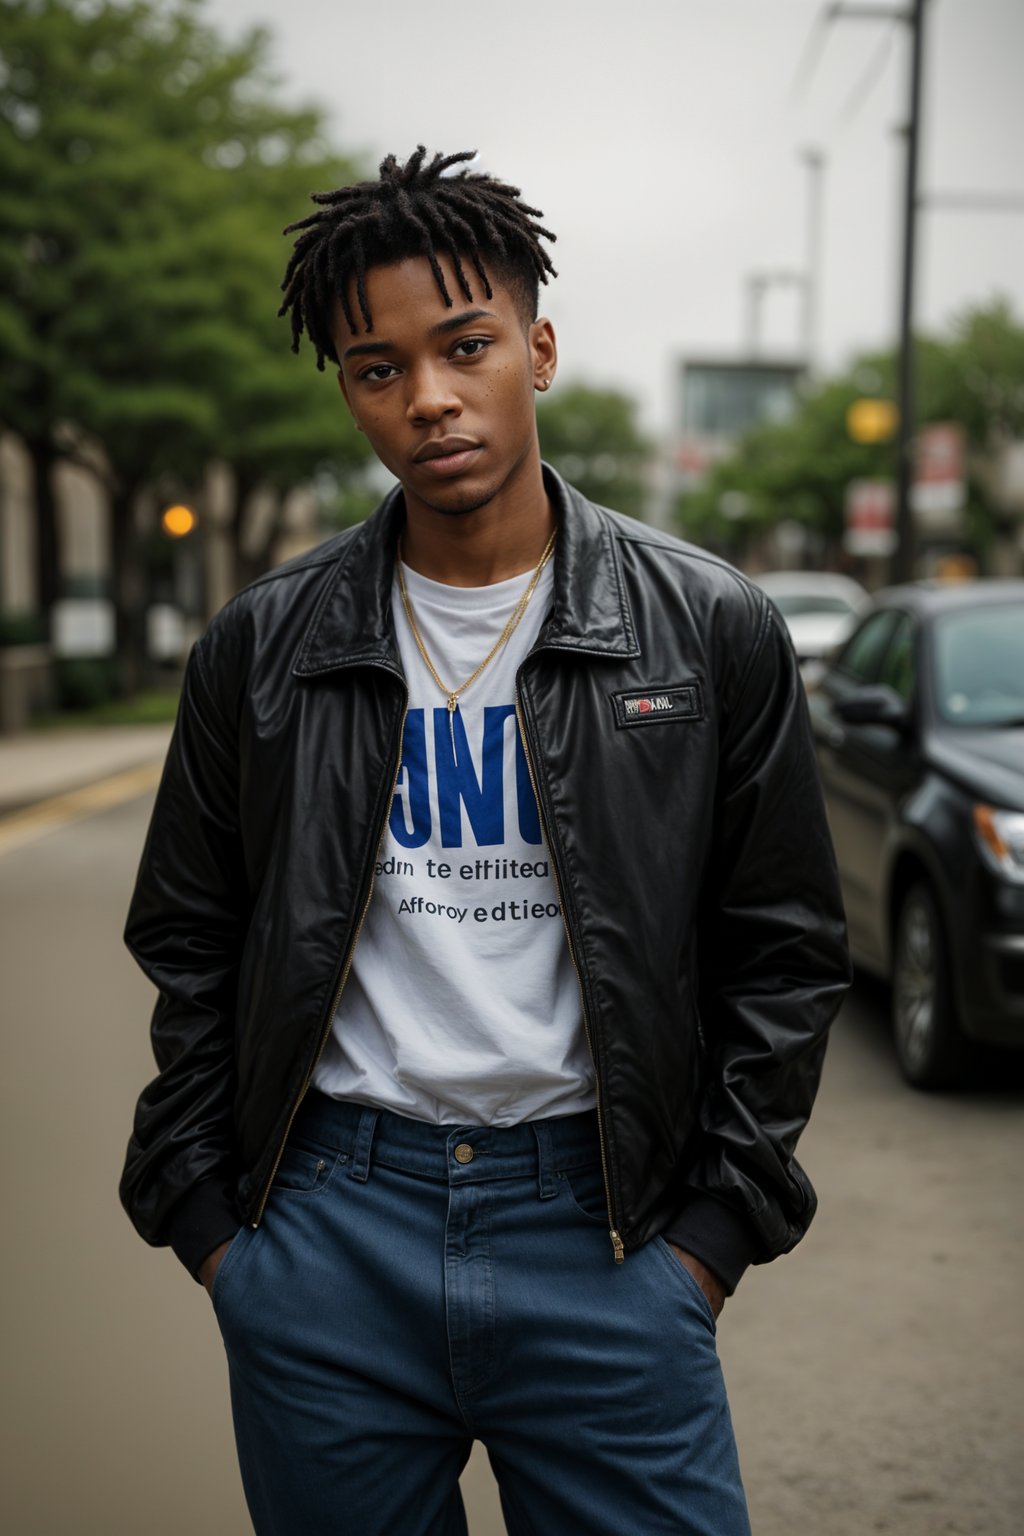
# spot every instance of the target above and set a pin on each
(872, 421)
(178, 521)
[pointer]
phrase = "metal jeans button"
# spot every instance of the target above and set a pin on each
(464, 1152)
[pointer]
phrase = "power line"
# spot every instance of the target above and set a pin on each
(870, 77)
(976, 202)
(810, 58)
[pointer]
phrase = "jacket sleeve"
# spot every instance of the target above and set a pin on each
(773, 968)
(186, 927)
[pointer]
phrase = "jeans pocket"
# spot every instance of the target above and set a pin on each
(304, 1169)
(585, 1189)
(227, 1263)
(690, 1282)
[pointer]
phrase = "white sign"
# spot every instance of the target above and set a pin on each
(1011, 476)
(83, 626)
(165, 632)
(939, 491)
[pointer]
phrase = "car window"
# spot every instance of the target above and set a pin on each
(862, 654)
(897, 670)
(979, 665)
(793, 605)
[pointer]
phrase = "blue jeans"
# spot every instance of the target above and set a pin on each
(415, 1287)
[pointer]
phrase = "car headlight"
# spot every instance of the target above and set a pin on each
(1000, 835)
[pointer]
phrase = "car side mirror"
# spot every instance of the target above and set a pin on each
(874, 706)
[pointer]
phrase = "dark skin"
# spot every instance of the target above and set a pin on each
(427, 374)
(464, 379)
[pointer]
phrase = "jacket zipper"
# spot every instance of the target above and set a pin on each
(325, 1033)
(617, 1245)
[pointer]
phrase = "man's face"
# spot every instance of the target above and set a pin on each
(445, 395)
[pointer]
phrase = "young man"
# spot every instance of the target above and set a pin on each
(493, 914)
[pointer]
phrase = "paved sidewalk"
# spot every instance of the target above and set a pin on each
(38, 764)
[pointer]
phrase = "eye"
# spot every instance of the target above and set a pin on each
(378, 372)
(471, 346)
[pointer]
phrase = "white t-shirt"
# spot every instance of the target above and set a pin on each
(462, 1004)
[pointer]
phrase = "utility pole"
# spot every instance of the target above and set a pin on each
(903, 558)
(913, 15)
(758, 284)
(814, 160)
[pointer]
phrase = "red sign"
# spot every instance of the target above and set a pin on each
(870, 518)
(939, 489)
(940, 453)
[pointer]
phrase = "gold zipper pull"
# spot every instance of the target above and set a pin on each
(617, 1248)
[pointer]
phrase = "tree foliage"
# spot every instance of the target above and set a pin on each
(146, 171)
(591, 437)
(800, 469)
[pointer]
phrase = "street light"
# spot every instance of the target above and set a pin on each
(814, 159)
(178, 521)
(757, 285)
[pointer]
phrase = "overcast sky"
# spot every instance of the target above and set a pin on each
(662, 137)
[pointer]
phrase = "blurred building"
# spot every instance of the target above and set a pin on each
(25, 671)
(182, 580)
(719, 399)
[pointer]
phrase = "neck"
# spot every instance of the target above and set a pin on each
(492, 543)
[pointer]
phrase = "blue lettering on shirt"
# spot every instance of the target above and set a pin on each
(459, 783)
(410, 809)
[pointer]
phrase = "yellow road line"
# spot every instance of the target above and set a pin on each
(25, 826)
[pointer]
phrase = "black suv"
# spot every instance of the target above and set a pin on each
(919, 727)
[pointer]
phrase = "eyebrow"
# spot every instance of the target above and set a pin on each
(364, 348)
(464, 319)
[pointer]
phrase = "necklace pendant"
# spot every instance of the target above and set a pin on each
(506, 634)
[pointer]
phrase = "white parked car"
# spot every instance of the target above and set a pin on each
(820, 609)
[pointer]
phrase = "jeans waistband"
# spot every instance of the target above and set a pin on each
(452, 1153)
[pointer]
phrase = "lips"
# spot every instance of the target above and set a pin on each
(446, 455)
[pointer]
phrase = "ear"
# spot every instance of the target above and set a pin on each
(543, 352)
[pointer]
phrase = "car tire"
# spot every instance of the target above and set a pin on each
(930, 1048)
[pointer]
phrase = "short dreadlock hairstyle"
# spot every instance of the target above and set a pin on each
(415, 209)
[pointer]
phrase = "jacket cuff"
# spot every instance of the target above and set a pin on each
(716, 1234)
(199, 1222)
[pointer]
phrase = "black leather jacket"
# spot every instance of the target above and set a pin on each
(666, 729)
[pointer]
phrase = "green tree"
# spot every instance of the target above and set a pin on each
(976, 376)
(591, 437)
(800, 469)
(280, 420)
(147, 171)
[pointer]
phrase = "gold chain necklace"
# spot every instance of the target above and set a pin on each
(454, 694)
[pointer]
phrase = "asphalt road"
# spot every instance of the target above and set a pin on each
(875, 1375)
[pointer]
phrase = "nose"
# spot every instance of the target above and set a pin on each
(430, 394)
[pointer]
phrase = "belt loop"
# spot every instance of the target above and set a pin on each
(360, 1168)
(547, 1178)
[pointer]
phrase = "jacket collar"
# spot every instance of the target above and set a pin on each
(589, 612)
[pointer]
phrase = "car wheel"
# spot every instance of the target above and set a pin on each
(931, 1051)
